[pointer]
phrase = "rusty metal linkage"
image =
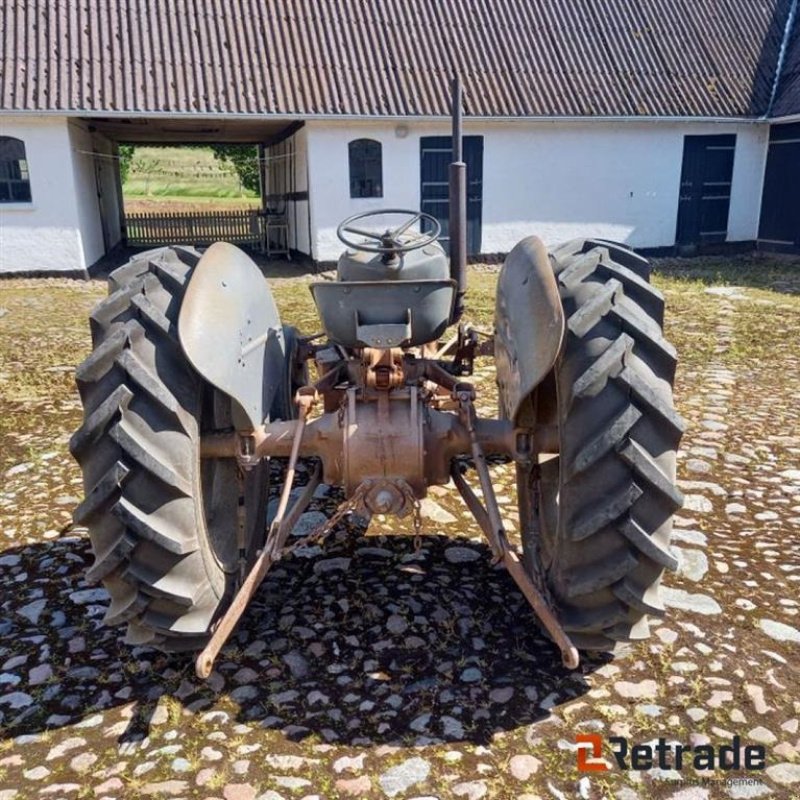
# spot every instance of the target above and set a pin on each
(385, 443)
(268, 556)
(492, 525)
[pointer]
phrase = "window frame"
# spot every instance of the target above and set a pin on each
(365, 168)
(14, 172)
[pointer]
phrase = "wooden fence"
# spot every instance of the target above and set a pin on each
(240, 226)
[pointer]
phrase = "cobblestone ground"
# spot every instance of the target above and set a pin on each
(370, 669)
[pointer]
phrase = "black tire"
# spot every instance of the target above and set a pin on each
(607, 500)
(295, 376)
(163, 524)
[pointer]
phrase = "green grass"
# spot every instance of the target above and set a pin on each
(779, 274)
(766, 320)
(180, 173)
(765, 325)
(197, 202)
(178, 190)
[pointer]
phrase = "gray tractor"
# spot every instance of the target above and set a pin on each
(194, 384)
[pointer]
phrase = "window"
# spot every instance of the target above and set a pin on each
(366, 168)
(15, 185)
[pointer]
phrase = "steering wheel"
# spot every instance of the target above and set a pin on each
(388, 242)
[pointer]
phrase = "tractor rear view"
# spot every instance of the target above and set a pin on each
(194, 383)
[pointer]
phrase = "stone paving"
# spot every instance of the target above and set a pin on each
(370, 669)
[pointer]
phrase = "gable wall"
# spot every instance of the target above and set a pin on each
(559, 180)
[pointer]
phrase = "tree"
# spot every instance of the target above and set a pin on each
(125, 159)
(244, 159)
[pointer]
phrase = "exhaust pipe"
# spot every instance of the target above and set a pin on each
(458, 208)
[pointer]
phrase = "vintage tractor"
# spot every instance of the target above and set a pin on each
(194, 383)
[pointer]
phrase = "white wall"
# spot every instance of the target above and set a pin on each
(749, 164)
(330, 176)
(559, 180)
(109, 186)
(45, 233)
(60, 229)
(614, 181)
(85, 187)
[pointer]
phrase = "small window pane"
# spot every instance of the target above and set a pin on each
(366, 168)
(15, 184)
(21, 191)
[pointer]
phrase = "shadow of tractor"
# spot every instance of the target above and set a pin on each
(368, 642)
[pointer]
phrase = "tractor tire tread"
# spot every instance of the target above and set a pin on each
(142, 490)
(608, 543)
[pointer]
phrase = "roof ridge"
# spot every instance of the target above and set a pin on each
(787, 34)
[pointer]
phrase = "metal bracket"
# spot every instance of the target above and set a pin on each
(491, 524)
(246, 451)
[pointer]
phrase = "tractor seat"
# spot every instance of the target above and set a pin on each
(384, 313)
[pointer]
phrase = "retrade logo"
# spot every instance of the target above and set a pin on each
(590, 761)
(667, 755)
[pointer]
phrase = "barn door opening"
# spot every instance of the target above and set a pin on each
(436, 153)
(705, 194)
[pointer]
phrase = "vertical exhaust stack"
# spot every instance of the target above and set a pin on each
(458, 208)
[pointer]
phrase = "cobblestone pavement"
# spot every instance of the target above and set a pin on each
(369, 669)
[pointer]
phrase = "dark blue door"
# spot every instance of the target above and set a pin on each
(705, 194)
(780, 204)
(436, 153)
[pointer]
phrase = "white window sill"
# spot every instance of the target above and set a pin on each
(17, 207)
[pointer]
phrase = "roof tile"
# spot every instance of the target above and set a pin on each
(394, 57)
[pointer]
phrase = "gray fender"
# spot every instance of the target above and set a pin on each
(529, 328)
(231, 333)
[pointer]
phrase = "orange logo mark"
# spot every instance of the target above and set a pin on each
(585, 763)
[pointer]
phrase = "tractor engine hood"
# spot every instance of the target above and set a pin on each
(426, 263)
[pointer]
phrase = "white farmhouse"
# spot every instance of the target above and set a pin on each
(666, 124)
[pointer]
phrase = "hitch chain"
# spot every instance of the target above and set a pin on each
(417, 506)
(324, 529)
(241, 523)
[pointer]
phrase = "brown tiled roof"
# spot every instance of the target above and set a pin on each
(707, 58)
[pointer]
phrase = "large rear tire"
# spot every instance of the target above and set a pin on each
(606, 501)
(164, 525)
